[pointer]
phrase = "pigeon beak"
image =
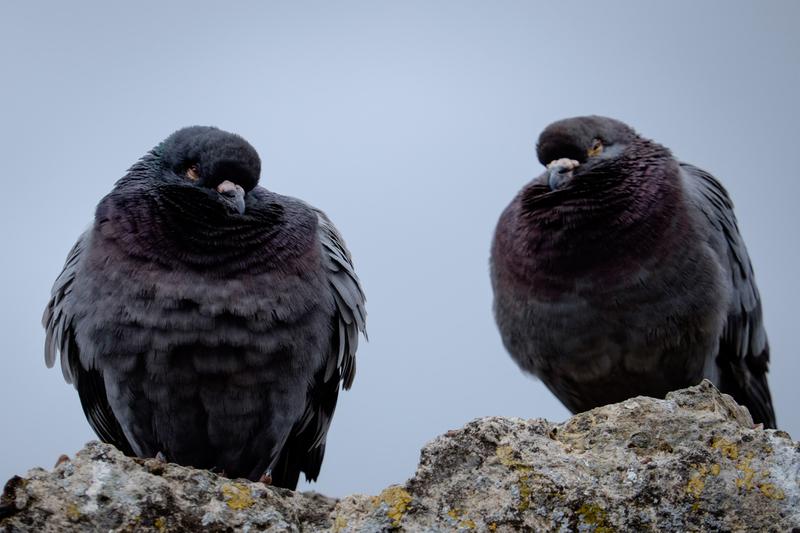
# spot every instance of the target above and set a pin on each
(556, 177)
(559, 172)
(233, 195)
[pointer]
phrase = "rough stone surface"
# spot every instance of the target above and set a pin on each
(102, 490)
(692, 462)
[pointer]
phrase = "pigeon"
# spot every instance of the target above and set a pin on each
(205, 320)
(620, 271)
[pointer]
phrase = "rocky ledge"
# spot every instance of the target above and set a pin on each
(691, 462)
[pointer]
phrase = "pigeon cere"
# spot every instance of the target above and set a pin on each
(205, 320)
(620, 271)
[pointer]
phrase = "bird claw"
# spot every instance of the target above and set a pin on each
(218, 471)
(266, 478)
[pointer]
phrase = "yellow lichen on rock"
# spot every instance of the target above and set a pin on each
(339, 523)
(771, 491)
(596, 516)
(398, 499)
(72, 512)
(463, 523)
(697, 482)
(237, 496)
(525, 491)
(507, 456)
(748, 478)
(743, 466)
(727, 448)
(160, 523)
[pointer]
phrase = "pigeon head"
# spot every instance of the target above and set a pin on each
(583, 138)
(213, 159)
(602, 179)
(574, 145)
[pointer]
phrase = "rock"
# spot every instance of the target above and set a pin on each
(102, 490)
(693, 461)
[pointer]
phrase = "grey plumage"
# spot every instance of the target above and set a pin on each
(207, 318)
(621, 272)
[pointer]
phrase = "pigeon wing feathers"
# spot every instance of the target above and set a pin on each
(60, 340)
(351, 312)
(743, 355)
(305, 448)
(56, 318)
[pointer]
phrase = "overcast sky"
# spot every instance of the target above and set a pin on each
(412, 124)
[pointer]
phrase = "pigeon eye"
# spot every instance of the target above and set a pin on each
(596, 149)
(193, 173)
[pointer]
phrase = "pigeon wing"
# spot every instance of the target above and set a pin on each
(743, 356)
(351, 314)
(305, 448)
(58, 321)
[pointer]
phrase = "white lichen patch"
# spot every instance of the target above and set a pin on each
(101, 472)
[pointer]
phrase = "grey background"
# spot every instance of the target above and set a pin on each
(412, 124)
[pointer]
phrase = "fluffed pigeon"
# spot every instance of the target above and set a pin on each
(620, 271)
(206, 320)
